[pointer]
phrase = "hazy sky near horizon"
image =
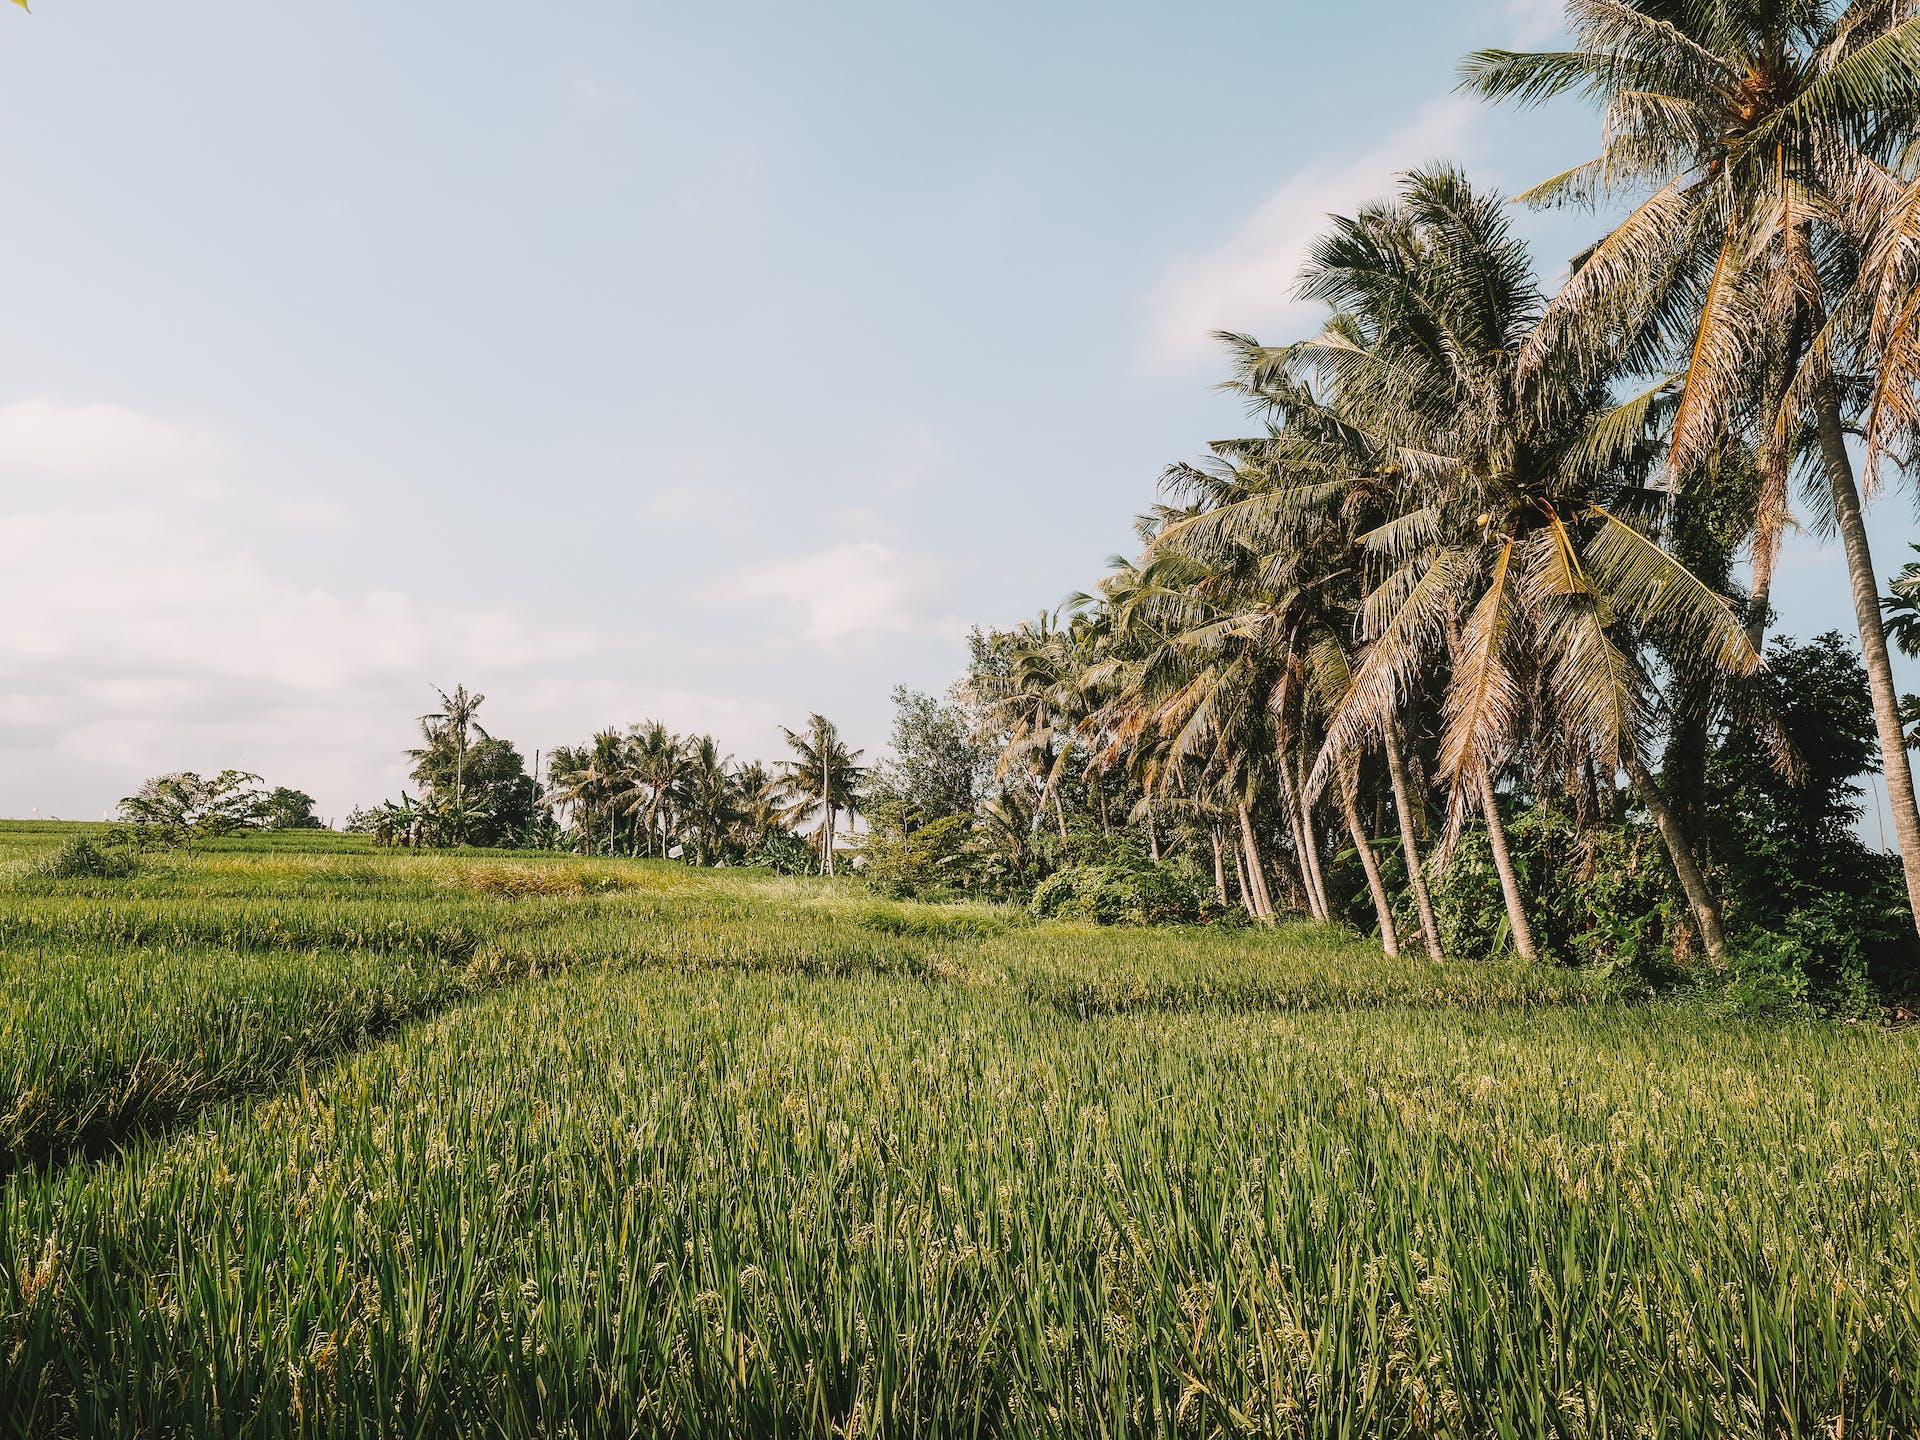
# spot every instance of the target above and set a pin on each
(715, 363)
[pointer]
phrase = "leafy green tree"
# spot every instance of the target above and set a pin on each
(489, 787)
(935, 768)
(1788, 837)
(183, 809)
(286, 809)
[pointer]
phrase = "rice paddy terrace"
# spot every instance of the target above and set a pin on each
(306, 1138)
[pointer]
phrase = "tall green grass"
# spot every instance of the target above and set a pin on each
(724, 1204)
(97, 1043)
(326, 1141)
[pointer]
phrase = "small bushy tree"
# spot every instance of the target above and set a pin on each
(183, 809)
(288, 809)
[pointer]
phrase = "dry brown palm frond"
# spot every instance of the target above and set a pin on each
(1616, 272)
(1655, 591)
(1716, 371)
(1481, 708)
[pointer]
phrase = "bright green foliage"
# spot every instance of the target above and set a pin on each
(931, 857)
(183, 809)
(1128, 895)
(289, 809)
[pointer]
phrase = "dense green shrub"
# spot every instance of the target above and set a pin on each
(927, 861)
(81, 859)
(785, 855)
(1816, 962)
(1128, 895)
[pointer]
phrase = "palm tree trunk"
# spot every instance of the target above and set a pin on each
(1058, 813)
(1314, 872)
(1247, 889)
(1873, 636)
(826, 843)
(1503, 864)
(1410, 847)
(1256, 872)
(1219, 866)
(1316, 905)
(1706, 910)
(1766, 547)
(1389, 941)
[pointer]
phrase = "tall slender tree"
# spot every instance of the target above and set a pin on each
(455, 718)
(823, 778)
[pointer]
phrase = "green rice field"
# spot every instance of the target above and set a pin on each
(312, 1139)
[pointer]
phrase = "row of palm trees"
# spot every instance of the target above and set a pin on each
(1449, 565)
(647, 791)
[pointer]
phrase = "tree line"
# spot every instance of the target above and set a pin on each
(644, 791)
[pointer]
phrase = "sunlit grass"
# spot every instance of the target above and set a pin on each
(538, 1145)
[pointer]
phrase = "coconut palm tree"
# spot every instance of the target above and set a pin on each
(755, 806)
(1302, 597)
(823, 778)
(455, 720)
(1517, 560)
(655, 762)
(707, 782)
(1035, 705)
(588, 778)
(1769, 134)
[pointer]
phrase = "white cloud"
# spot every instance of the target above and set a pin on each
(1247, 283)
(139, 641)
(87, 440)
(852, 591)
(1534, 22)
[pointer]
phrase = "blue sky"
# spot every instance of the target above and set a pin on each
(714, 363)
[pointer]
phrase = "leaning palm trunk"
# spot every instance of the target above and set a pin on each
(1256, 871)
(1315, 906)
(1766, 539)
(1706, 910)
(1246, 889)
(1873, 636)
(1381, 909)
(1509, 881)
(1316, 878)
(1410, 847)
